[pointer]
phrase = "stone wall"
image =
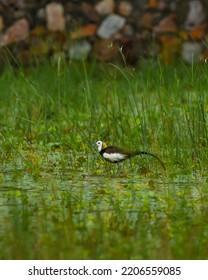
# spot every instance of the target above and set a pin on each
(107, 30)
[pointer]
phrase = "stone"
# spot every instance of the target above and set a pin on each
(90, 12)
(17, 32)
(39, 47)
(55, 17)
(84, 31)
(146, 20)
(191, 52)
(125, 8)
(38, 31)
(197, 33)
(167, 24)
(80, 50)
(105, 50)
(105, 7)
(128, 30)
(170, 48)
(110, 26)
(152, 4)
(162, 5)
(196, 15)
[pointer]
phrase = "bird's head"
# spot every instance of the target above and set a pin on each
(101, 145)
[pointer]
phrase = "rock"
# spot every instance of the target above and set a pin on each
(158, 4)
(105, 50)
(17, 32)
(146, 20)
(191, 52)
(170, 48)
(38, 31)
(197, 33)
(196, 14)
(152, 4)
(90, 12)
(55, 17)
(84, 31)
(125, 8)
(167, 24)
(162, 5)
(105, 7)
(110, 25)
(128, 30)
(39, 47)
(80, 50)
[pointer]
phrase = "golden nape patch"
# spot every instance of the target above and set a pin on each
(104, 145)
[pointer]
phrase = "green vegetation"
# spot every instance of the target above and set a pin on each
(60, 200)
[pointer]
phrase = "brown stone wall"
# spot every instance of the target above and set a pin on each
(107, 30)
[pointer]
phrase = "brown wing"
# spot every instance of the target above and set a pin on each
(112, 149)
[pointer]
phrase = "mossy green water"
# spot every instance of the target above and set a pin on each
(60, 200)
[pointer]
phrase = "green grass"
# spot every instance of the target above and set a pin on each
(60, 200)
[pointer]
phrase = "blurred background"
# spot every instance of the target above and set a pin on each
(117, 31)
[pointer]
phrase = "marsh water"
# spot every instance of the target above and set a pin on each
(131, 208)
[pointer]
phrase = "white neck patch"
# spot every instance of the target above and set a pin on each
(99, 145)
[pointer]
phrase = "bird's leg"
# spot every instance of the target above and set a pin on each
(119, 168)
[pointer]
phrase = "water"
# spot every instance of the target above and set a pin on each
(92, 208)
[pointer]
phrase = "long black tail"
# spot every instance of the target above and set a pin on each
(149, 154)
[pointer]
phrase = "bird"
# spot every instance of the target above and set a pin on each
(116, 155)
